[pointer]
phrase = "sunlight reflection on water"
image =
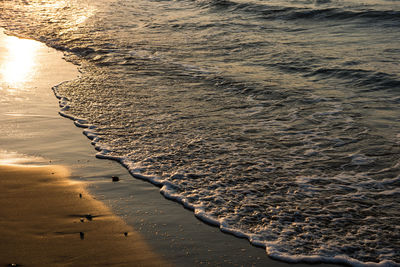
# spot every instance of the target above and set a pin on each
(17, 64)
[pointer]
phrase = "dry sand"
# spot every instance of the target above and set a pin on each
(48, 220)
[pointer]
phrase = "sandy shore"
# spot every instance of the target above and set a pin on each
(47, 220)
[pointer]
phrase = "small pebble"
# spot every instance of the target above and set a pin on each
(80, 195)
(82, 235)
(126, 233)
(115, 178)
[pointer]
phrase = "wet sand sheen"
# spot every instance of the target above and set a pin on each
(46, 219)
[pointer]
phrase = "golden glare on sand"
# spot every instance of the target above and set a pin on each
(46, 221)
(19, 61)
(13, 158)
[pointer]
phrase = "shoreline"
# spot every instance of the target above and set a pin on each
(172, 231)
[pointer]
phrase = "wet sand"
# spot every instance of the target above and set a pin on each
(47, 220)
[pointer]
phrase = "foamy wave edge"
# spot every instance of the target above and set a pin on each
(166, 189)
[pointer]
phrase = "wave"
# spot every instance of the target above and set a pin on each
(273, 248)
(368, 80)
(270, 12)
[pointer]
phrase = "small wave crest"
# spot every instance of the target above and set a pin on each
(369, 80)
(272, 12)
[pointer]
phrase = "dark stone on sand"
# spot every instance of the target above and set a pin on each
(126, 233)
(82, 235)
(115, 178)
(80, 195)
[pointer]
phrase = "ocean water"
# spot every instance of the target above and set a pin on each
(275, 120)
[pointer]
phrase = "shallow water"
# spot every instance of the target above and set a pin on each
(277, 120)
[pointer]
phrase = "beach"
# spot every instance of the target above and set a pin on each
(46, 159)
(225, 133)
